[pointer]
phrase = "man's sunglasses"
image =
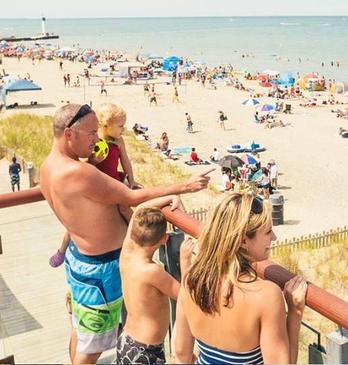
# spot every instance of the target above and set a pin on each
(83, 111)
(257, 205)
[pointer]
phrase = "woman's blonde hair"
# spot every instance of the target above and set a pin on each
(220, 252)
(108, 113)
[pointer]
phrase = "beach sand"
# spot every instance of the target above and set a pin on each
(311, 157)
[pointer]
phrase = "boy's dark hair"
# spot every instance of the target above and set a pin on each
(149, 226)
(14, 159)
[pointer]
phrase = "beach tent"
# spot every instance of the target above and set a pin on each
(287, 79)
(126, 68)
(18, 85)
(171, 63)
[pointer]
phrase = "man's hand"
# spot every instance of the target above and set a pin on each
(199, 182)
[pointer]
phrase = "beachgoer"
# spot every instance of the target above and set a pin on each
(227, 178)
(68, 79)
(189, 127)
(112, 120)
(176, 95)
(215, 157)
(273, 173)
(264, 182)
(221, 119)
(194, 156)
(146, 286)
(152, 97)
(163, 144)
(146, 88)
(102, 89)
(14, 170)
(84, 199)
(234, 316)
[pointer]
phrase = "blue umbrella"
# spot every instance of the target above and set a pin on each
(250, 102)
(248, 160)
(266, 107)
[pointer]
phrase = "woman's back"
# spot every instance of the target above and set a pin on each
(237, 327)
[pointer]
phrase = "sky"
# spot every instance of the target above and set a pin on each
(160, 8)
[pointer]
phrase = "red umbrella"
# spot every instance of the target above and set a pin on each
(311, 75)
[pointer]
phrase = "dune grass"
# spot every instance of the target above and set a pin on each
(327, 268)
(28, 135)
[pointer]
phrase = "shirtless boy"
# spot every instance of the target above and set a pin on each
(85, 200)
(147, 287)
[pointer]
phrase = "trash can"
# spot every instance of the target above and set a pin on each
(277, 201)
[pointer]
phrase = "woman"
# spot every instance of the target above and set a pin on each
(163, 144)
(234, 316)
(265, 182)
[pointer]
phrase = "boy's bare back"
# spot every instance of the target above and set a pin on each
(146, 288)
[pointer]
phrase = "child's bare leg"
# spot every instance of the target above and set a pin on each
(58, 258)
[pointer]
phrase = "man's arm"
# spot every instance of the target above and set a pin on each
(102, 188)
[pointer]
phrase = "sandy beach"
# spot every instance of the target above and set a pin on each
(312, 158)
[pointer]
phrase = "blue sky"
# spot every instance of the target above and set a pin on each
(147, 8)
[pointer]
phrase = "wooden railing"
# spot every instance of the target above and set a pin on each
(318, 299)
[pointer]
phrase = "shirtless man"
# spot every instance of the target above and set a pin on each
(86, 201)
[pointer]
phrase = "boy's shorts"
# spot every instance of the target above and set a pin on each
(130, 351)
(96, 297)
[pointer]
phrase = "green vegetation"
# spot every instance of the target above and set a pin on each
(30, 136)
(327, 268)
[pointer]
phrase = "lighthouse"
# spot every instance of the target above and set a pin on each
(43, 25)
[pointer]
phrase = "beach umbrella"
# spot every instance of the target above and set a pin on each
(250, 102)
(256, 175)
(311, 75)
(248, 159)
(230, 162)
(266, 107)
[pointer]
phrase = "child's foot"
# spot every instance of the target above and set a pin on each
(57, 259)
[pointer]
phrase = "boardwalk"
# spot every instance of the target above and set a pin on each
(33, 322)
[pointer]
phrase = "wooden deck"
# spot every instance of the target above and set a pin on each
(34, 325)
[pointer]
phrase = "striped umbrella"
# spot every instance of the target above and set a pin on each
(250, 102)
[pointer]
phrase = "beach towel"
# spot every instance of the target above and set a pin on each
(191, 163)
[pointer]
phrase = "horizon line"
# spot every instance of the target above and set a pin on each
(179, 16)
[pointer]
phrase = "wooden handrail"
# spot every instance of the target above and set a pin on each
(318, 299)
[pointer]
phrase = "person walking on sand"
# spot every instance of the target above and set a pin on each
(73, 189)
(152, 97)
(102, 89)
(176, 95)
(14, 170)
(232, 315)
(221, 119)
(189, 127)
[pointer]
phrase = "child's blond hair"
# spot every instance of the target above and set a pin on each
(108, 113)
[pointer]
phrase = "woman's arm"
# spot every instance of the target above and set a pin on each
(184, 340)
(295, 294)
